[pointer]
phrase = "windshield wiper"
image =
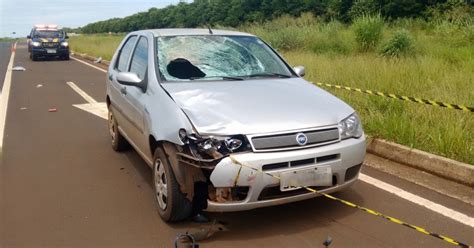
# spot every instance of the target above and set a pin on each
(269, 74)
(223, 78)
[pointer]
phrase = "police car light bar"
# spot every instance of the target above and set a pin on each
(49, 26)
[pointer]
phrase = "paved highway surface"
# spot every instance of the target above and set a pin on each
(5, 48)
(61, 185)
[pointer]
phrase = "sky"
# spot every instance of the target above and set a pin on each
(20, 15)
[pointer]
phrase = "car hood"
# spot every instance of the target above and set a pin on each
(256, 106)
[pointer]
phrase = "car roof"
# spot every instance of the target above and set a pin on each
(193, 31)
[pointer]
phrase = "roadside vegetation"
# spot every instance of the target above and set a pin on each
(7, 39)
(431, 59)
(96, 45)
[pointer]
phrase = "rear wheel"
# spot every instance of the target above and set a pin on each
(172, 204)
(33, 56)
(119, 143)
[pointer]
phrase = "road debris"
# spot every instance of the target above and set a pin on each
(98, 60)
(39, 85)
(186, 239)
(18, 68)
(206, 232)
(327, 242)
(53, 110)
(23, 108)
(191, 237)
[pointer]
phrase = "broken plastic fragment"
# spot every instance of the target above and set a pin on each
(204, 232)
(39, 85)
(53, 110)
(98, 60)
(18, 68)
(23, 108)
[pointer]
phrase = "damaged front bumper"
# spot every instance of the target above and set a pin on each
(344, 158)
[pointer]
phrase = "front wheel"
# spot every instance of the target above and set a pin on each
(172, 204)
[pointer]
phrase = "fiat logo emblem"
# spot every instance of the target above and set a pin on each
(301, 139)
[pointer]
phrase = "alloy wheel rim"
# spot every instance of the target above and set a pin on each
(161, 187)
(112, 126)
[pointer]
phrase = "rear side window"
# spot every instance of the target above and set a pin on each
(140, 58)
(125, 52)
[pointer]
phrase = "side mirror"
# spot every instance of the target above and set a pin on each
(28, 36)
(129, 78)
(299, 70)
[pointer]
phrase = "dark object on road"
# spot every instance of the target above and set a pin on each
(206, 232)
(187, 239)
(190, 238)
(328, 241)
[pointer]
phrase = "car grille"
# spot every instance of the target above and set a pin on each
(302, 162)
(287, 141)
(50, 44)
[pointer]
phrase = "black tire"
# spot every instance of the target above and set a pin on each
(66, 57)
(177, 207)
(119, 143)
(33, 57)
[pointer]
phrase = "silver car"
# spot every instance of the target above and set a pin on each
(189, 100)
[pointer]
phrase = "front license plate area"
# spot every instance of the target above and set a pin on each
(51, 50)
(315, 176)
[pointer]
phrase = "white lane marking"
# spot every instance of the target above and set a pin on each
(92, 106)
(99, 109)
(435, 207)
(5, 95)
(93, 66)
(82, 93)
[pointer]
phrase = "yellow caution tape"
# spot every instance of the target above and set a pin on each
(403, 98)
(350, 204)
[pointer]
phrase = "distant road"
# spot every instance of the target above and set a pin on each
(5, 52)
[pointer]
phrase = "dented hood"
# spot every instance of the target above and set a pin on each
(256, 106)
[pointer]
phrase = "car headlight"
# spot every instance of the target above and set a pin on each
(64, 44)
(351, 127)
(36, 43)
(221, 144)
(212, 145)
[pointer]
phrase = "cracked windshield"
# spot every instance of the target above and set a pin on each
(218, 57)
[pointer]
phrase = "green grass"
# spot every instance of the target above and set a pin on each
(96, 45)
(441, 131)
(438, 66)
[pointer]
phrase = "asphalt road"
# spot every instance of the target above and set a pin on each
(5, 49)
(61, 185)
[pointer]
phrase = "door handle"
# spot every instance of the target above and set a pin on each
(123, 90)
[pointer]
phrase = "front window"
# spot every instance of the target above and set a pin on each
(48, 34)
(215, 57)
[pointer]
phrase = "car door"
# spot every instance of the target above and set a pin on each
(116, 93)
(135, 96)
